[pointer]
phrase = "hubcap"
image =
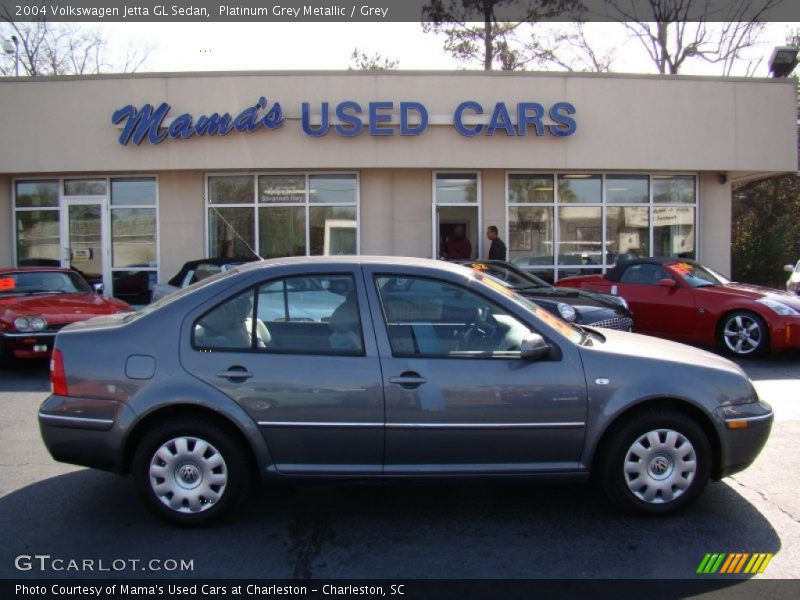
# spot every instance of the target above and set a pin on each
(188, 474)
(742, 334)
(660, 466)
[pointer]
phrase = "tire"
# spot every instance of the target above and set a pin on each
(190, 471)
(658, 440)
(743, 334)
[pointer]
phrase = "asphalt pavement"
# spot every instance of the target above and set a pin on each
(437, 529)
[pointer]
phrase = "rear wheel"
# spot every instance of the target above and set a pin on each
(190, 471)
(743, 333)
(656, 463)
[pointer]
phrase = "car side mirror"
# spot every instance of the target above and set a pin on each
(788, 268)
(533, 347)
(98, 288)
(667, 283)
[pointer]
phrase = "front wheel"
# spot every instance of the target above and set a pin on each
(743, 333)
(190, 472)
(656, 464)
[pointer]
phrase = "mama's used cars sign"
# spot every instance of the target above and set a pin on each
(470, 118)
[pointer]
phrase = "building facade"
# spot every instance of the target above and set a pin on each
(127, 177)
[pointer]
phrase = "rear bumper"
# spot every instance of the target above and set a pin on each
(746, 431)
(85, 432)
(28, 345)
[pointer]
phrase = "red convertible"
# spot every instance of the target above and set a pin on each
(36, 302)
(679, 299)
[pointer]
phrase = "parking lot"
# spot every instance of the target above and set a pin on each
(438, 529)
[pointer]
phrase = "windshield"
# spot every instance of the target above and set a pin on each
(513, 277)
(43, 282)
(698, 276)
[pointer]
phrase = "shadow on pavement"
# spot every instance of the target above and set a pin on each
(442, 529)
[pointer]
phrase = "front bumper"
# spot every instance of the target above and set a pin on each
(85, 432)
(29, 345)
(621, 323)
(746, 428)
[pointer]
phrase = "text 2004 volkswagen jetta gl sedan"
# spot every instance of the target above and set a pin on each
(405, 367)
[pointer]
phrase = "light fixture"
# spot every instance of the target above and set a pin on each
(783, 60)
(722, 177)
(11, 46)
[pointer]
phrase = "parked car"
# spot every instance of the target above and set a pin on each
(36, 302)
(680, 299)
(196, 395)
(793, 283)
(573, 305)
(194, 271)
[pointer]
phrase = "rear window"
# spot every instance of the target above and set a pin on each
(40, 282)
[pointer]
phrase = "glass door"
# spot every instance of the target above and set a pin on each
(86, 233)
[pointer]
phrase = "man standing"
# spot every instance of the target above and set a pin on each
(457, 246)
(497, 251)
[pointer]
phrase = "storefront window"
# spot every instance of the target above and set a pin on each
(674, 231)
(627, 189)
(38, 238)
(627, 232)
(456, 188)
(133, 235)
(580, 239)
(133, 192)
(231, 189)
(85, 187)
(36, 194)
(530, 235)
(287, 222)
(580, 188)
(530, 189)
(674, 189)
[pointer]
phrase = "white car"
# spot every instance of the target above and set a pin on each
(793, 283)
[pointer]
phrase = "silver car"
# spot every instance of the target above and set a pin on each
(405, 367)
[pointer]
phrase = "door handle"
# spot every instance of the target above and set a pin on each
(409, 379)
(235, 372)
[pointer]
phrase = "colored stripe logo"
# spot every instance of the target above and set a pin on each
(734, 563)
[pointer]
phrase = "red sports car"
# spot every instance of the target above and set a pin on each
(35, 302)
(679, 299)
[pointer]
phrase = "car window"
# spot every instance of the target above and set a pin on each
(228, 326)
(697, 275)
(432, 318)
(644, 274)
(311, 315)
(33, 282)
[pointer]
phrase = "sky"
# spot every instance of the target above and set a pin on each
(299, 46)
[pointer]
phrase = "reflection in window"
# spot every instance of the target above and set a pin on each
(674, 189)
(133, 192)
(580, 188)
(530, 189)
(38, 238)
(133, 237)
(282, 189)
(133, 287)
(627, 232)
(627, 189)
(35, 194)
(332, 230)
(282, 231)
(332, 189)
(231, 231)
(231, 189)
(673, 231)
(530, 235)
(580, 241)
(456, 188)
(85, 187)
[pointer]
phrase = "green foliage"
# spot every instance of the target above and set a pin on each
(766, 230)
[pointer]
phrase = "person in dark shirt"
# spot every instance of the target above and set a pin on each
(457, 246)
(497, 251)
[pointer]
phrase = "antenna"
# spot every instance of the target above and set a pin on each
(233, 229)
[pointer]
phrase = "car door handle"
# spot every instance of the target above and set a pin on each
(236, 372)
(408, 380)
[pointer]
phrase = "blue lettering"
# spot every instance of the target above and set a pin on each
(376, 118)
(524, 119)
(459, 114)
(213, 125)
(405, 128)
(558, 113)
(355, 126)
(181, 127)
(306, 119)
(274, 118)
(500, 120)
(141, 123)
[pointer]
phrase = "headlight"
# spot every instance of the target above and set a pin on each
(22, 324)
(566, 311)
(621, 301)
(779, 307)
(38, 324)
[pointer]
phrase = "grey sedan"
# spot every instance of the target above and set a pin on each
(410, 367)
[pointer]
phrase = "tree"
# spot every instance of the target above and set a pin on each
(569, 49)
(361, 61)
(65, 49)
(474, 33)
(674, 31)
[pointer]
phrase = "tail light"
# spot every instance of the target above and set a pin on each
(58, 377)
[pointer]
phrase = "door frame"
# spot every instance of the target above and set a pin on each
(435, 211)
(105, 239)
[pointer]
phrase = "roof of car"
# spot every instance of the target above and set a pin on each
(615, 272)
(389, 261)
(8, 270)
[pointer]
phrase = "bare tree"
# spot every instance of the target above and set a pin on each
(361, 61)
(674, 31)
(569, 49)
(65, 49)
(474, 33)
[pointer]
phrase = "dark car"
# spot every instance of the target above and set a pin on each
(573, 305)
(36, 302)
(680, 299)
(420, 368)
(194, 271)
